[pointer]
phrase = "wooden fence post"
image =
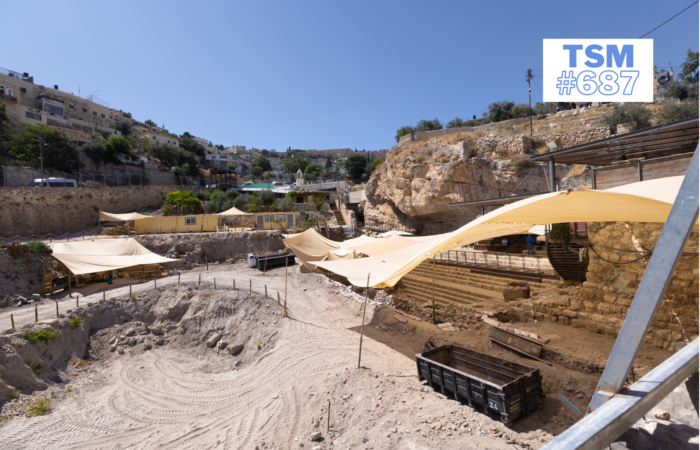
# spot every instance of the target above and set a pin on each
(278, 299)
(36, 314)
(286, 263)
(265, 291)
(12, 319)
(362, 328)
(214, 283)
(155, 285)
(178, 279)
(207, 263)
(200, 279)
(57, 314)
(234, 284)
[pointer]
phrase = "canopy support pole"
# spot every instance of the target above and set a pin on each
(552, 175)
(362, 328)
(434, 319)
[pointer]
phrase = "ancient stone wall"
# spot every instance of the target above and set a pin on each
(618, 259)
(26, 211)
(572, 138)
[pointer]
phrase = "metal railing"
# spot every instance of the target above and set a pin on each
(496, 260)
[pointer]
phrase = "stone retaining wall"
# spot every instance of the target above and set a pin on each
(618, 259)
(25, 211)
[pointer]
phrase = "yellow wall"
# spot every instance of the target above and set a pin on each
(176, 224)
(271, 225)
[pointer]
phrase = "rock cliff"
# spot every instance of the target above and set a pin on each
(417, 181)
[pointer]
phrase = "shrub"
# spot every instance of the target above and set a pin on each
(185, 201)
(38, 247)
(40, 407)
(14, 395)
(286, 205)
(132, 298)
(266, 198)
(521, 162)
(682, 110)
(318, 203)
(40, 335)
(203, 195)
(628, 112)
(242, 200)
(76, 321)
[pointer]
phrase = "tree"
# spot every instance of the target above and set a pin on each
(455, 123)
(521, 110)
(373, 165)
(4, 130)
(291, 165)
(58, 153)
(257, 171)
(95, 150)
(183, 201)
(193, 147)
(186, 135)
(329, 162)
(124, 128)
(628, 112)
(403, 131)
(428, 125)
(540, 108)
(355, 165)
(166, 154)
(499, 111)
(677, 111)
(286, 205)
(262, 162)
(265, 152)
(686, 85)
(231, 166)
(318, 203)
(313, 169)
(151, 123)
(266, 197)
(116, 146)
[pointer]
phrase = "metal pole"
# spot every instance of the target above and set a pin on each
(434, 319)
(362, 328)
(286, 263)
(552, 175)
(4, 177)
(657, 275)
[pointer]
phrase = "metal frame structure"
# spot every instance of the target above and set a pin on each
(615, 409)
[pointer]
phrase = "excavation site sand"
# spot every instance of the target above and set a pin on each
(148, 378)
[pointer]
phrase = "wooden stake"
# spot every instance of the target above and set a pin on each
(155, 285)
(234, 284)
(141, 269)
(434, 320)
(178, 279)
(200, 279)
(286, 261)
(57, 315)
(104, 296)
(207, 263)
(77, 300)
(215, 283)
(12, 319)
(278, 299)
(251, 285)
(36, 314)
(70, 290)
(362, 328)
(265, 291)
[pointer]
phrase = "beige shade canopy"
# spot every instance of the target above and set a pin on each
(109, 217)
(646, 201)
(357, 242)
(310, 247)
(101, 255)
(234, 212)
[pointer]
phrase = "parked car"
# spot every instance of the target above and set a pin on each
(247, 184)
(585, 104)
(563, 107)
(277, 184)
(53, 183)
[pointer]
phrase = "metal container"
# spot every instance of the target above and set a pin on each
(496, 385)
(273, 260)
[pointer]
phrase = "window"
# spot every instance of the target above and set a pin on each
(281, 217)
(103, 116)
(53, 109)
(30, 115)
(23, 90)
(71, 106)
(190, 221)
(94, 113)
(84, 109)
(269, 218)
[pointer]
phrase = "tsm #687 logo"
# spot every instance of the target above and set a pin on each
(598, 70)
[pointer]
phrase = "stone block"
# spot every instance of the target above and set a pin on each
(213, 339)
(609, 298)
(624, 301)
(587, 293)
(576, 305)
(565, 320)
(233, 349)
(590, 307)
(569, 314)
(604, 308)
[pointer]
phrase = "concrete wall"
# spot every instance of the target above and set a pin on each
(41, 211)
(614, 273)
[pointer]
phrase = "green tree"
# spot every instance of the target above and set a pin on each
(318, 203)
(329, 162)
(124, 128)
(455, 123)
(628, 112)
(231, 166)
(151, 123)
(499, 111)
(521, 110)
(4, 130)
(182, 202)
(266, 197)
(428, 125)
(403, 131)
(686, 84)
(355, 165)
(116, 146)
(262, 162)
(313, 169)
(58, 153)
(95, 150)
(192, 146)
(166, 154)
(371, 166)
(291, 165)
(186, 135)
(188, 163)
(677, 111)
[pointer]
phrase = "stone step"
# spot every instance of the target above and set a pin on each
(464, 274)
(477, 280)
(421, 287)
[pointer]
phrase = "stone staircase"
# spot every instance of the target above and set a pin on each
(455, 284)
(339, 219)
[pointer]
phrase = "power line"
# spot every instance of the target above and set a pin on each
(694, 3)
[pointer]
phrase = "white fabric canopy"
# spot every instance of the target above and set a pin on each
(357, 242)
(100, 255)
(234, 212)
(109, 217)
(646, 201)
(394, 233)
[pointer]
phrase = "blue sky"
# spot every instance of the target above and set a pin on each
(313, 74)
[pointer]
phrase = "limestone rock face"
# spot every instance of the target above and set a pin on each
(415, 184)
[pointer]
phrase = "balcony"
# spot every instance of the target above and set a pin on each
(8, 97)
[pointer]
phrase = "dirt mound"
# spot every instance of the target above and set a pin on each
(22, 276)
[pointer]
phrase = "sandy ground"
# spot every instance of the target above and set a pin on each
(180, 398)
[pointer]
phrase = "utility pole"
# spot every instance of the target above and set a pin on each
(529, 96)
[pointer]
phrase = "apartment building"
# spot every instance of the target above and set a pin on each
(30, 103)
